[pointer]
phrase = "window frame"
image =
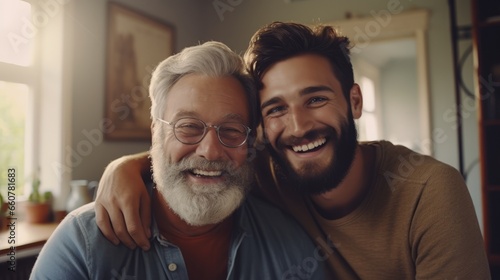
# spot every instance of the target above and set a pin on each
(48, 127)
(27, 75)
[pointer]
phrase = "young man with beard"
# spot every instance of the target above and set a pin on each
(204, 224)
(379, 211)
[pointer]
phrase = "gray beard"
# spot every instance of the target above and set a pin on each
(197, 204)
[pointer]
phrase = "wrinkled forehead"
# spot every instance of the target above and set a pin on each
(212, 99)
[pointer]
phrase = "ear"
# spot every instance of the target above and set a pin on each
(356, 99)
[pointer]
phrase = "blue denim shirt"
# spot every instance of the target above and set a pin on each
(266, 244)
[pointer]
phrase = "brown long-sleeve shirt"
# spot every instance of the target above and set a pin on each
(417, 222)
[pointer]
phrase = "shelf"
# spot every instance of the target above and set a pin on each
(493, 229)
(486, 30)
(495, 122)
(491, 157)
(494, 259)
(488, 44)
(493, 188)
(491, 21)
(487, 11)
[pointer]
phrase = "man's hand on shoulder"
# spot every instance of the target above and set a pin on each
(122, 206)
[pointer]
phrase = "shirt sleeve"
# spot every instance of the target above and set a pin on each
(445, 236)
(64, 255)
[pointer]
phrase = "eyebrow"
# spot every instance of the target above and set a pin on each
(302, 92)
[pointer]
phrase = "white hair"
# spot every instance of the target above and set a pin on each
(211, 58)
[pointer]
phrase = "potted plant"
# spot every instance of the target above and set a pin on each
(38, 208)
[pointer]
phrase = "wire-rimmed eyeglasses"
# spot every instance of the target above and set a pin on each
(191, 131)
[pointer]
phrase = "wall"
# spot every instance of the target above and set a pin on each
(89, 25)
(233, 22)
(236, 24)
(398, 97)
(236, 27)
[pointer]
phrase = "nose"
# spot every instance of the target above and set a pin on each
(299, 122)
(210, 147)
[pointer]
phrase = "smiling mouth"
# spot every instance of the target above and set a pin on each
(206, 173)
(312, 146)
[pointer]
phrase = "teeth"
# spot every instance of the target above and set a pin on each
(310, 146)
(207, 173)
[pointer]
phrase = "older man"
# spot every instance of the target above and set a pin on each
(204, 225)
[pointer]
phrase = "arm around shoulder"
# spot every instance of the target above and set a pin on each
(123, 211)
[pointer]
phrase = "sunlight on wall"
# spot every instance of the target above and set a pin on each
(16, 32)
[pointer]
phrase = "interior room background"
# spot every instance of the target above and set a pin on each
(71, 78)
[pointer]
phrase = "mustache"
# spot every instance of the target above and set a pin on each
(200, 163)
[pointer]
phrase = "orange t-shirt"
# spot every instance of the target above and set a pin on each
(206, 255)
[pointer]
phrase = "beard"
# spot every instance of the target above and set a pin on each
(312, 179)
(200, 204)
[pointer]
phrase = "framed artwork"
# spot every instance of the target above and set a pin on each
(136, 43)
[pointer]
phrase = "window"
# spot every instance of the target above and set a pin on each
(16, 29)
(13, 108)
(368, 125)
(16, 89)
(367, 76)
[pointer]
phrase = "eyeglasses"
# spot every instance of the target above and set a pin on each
(191, 131)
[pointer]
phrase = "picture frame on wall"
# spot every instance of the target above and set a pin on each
(136, 43)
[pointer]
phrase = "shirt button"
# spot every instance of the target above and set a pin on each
(172, 267)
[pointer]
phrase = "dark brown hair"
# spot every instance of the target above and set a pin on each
(280, 40)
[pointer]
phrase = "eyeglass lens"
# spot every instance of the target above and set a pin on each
(191, 131)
